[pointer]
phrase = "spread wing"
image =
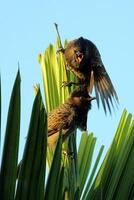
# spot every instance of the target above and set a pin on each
(92, 70)
(62, 118)
(104, 88)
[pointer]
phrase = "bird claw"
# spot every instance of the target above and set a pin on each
(66, 84)
(69, 154)
(60, 50)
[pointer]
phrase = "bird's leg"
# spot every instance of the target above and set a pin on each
(68, 153)
(70, 83)
(60, 50)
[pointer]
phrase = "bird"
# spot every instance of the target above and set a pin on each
(82, 57)
(69, 116)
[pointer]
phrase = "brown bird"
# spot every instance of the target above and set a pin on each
(83, 58)
(69, 116)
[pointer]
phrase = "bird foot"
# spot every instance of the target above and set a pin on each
(60, 50)
(67, 84)
(69, 154)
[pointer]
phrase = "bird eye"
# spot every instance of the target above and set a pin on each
(78, 53)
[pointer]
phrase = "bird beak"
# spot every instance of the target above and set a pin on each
(91, 98)
(79, 56)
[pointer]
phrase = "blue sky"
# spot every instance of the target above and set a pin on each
(26, 29)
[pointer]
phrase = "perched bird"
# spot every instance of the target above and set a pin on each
(83, 58)
(69, 116)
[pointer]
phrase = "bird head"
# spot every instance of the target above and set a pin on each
(81, 97)
(81, 54)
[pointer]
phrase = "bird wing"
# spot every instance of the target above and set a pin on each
(104, 88)
(59, 119)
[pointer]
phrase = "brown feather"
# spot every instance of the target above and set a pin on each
(90, 71)
(69, 116)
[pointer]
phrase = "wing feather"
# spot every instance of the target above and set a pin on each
(104, 88)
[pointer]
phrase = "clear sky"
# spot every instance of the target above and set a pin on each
(26, 29)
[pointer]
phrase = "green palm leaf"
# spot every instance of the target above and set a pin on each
(109, 181)
(32, 168)
(68, 177)
(54, 73)
(11, 145)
